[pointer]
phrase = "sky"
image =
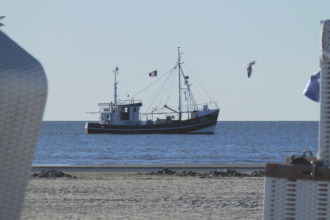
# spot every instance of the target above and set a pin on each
(79, 44)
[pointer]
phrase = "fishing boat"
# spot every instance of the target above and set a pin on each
(124, 117)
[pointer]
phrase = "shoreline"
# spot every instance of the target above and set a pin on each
(148, 167)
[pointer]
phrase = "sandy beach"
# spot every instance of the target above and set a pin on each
(132, 195)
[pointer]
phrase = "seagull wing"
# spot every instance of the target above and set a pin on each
(1, 17)
(249, 64)
(249, 71)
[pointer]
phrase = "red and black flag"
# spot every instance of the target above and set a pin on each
(154, 73)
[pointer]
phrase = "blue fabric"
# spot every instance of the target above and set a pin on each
(312, 88)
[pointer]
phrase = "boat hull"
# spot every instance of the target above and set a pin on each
(200, 125)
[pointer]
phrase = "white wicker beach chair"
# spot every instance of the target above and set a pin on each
(23, 93)
(298, 191)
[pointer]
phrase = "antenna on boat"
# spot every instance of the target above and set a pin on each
(179, 64)
(115, 85)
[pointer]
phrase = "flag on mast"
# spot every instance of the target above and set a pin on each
(154, 73)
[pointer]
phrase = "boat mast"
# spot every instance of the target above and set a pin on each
(179, 65)
(115, 85)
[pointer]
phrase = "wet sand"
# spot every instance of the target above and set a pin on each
(129, 195)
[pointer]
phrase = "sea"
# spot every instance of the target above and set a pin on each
(234, 142)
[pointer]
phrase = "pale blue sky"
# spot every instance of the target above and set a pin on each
(79, 43)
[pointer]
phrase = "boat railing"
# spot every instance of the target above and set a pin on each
(128, 102)
(200, 107)
(187, 112)
(110, 107)
(121, 102)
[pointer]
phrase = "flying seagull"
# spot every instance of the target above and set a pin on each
(249, 67)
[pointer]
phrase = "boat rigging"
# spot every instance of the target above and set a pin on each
(124, 117)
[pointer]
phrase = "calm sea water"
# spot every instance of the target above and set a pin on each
(65, 142)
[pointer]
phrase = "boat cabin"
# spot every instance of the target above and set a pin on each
(122, 114)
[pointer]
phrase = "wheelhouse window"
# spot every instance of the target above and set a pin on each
(124, 113)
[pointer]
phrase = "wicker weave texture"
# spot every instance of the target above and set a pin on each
(23, 93)
(306, 199)
(324, 130)
(296, 199)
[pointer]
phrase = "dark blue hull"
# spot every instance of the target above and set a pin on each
(200, 125)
